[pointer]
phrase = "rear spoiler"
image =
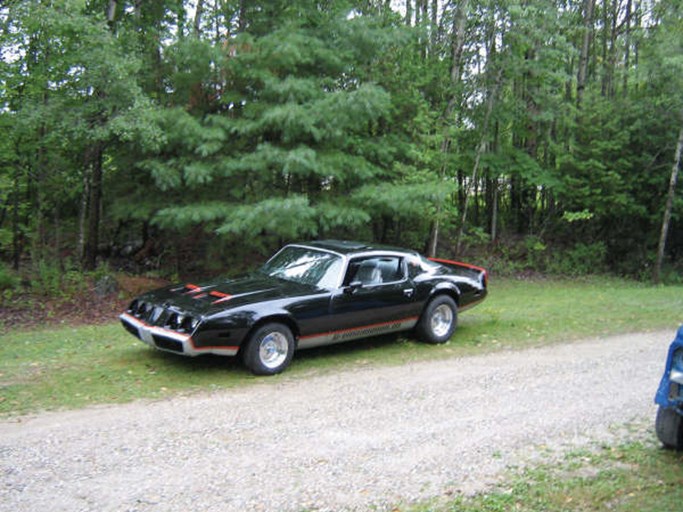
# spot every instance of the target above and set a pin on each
(458, 265)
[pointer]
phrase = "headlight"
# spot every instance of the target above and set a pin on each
(182, 323)
(186, 324)
(174, 321)
(677, 360)
(156, 313)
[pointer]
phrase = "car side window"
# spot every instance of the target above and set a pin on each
(414, 268)
(375, 270)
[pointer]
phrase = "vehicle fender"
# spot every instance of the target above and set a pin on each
(449, 289)
(276, 315)
(662, 395)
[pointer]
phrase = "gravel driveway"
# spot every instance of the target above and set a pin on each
(352, 440)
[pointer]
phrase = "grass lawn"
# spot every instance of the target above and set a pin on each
(71, 367)
(634, 477)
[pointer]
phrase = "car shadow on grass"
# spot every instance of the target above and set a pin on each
(388, 349)
(191, 368)
(363, 351)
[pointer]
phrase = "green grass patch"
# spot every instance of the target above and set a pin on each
(634, 477)
(73, 367)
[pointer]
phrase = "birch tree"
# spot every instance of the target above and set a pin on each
(668, 207)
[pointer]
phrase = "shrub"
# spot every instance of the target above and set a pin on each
(8, 279)
(580, 260)
(51, 280)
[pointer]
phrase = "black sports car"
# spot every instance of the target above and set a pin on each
(308, 295)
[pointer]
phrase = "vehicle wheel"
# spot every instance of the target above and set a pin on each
(669, 427)
(269, 349)
(438, 321)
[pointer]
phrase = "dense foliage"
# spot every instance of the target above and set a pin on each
(180, 134)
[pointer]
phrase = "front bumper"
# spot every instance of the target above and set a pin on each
(170, 341)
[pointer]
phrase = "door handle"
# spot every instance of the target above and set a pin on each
(409, 292)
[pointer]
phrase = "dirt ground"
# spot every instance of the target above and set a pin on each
(27, 311)
(364, 439)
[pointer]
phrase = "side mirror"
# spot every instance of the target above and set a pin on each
(352, 287)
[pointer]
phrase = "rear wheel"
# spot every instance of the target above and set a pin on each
(269, 349)
(669, 427)
(439, 320)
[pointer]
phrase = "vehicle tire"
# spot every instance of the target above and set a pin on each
(269, 349)
(669, 428)
(439, 320)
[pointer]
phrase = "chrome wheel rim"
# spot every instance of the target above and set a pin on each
(442, 319)
(273, 350)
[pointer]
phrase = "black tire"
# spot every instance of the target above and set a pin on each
(669, 428)
(438, 321)
(269, 349)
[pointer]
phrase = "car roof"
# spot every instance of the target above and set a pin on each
(348, 247)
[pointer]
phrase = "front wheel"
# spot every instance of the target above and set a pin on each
(269, 349)
(669, 428)
(438, 321)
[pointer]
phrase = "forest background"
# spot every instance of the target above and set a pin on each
(196, 136)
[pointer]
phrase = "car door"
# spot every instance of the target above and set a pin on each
(377, 296)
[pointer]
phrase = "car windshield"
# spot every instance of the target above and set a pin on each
(305, 265)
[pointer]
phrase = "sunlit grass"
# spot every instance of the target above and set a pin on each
(73, 367)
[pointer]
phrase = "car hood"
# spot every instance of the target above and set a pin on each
(211, 297)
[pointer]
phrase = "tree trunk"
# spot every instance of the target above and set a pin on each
(434, 28)
(91, 204)
(94, 159)
(197, 25)
(457, 46)
(16, 233)
(58, 238)
(41, 173)
(610, 57)
(83, 214)
(111, 15)
(627, 46)
(492, 187)
(494, 212)
(589, 6)
(493, 93)
(667, 210)
(111, 12)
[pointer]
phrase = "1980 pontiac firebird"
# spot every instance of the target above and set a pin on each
(308, 295)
